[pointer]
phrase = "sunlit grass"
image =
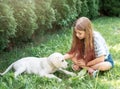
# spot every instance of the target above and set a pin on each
(115, 84)
(109, 27)
(116, 47)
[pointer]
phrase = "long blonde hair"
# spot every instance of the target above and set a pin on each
(84, 49)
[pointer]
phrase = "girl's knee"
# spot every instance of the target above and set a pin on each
(105, 68)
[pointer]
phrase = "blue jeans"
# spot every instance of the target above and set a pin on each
(109, 59)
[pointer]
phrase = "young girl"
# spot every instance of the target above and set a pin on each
(89, 49)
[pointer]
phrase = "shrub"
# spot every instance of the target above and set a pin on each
(88, 8)
(7, 25)
(78, 7)
(110, 8)
(93, 8)
(45, 14)
(63, 13)
(25, 18)
(73, 14)
(83, 9)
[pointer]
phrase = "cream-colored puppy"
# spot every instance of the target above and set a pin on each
(40, 66)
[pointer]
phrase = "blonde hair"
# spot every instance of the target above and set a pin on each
(84, 49)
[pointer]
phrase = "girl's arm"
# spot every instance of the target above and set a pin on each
(96, 61)
(68, 56)
(80, 62)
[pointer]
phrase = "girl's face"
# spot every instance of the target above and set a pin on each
(80, 34)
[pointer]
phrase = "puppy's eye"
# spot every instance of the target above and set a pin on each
(63, 60)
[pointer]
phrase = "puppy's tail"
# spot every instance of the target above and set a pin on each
(6, 70)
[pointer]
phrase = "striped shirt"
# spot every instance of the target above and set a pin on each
(100, 45)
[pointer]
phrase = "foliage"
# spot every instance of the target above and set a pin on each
(84, 8)
(61, 12)
(110, 8)
(7, 25)
(88, 8)
(45, 14)
(93, 8)
(25, 18)
(65, 12)
(73, 10)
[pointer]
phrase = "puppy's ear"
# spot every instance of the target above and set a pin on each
(56, 62)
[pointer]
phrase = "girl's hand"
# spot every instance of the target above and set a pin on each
(74, 60)
(68, 56)
(81, 62)
(75, 67)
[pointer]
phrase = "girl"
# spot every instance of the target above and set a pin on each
(89, 49)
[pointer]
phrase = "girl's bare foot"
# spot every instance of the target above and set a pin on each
(93, 72)
(90, 71)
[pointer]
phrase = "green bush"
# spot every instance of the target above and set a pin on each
(82, 8)
(78, 7)
(93, 8)
(110, 7)
(25, 18)
(7, 25)
(45, 14)
(65, 12)
(72, 15)
(89, 8)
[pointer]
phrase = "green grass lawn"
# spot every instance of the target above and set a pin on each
(109, 27)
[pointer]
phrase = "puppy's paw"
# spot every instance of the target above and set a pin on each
(1, 74)
(59, 80)
(73, 74)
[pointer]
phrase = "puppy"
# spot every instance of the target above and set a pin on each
(40, 66)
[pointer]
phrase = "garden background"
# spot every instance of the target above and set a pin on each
(41, 27)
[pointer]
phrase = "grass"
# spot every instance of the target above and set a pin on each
(109, 27)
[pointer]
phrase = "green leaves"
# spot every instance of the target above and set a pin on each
(82, 72)
(7, 25)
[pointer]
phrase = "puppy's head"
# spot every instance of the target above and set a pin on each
(57, 59)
